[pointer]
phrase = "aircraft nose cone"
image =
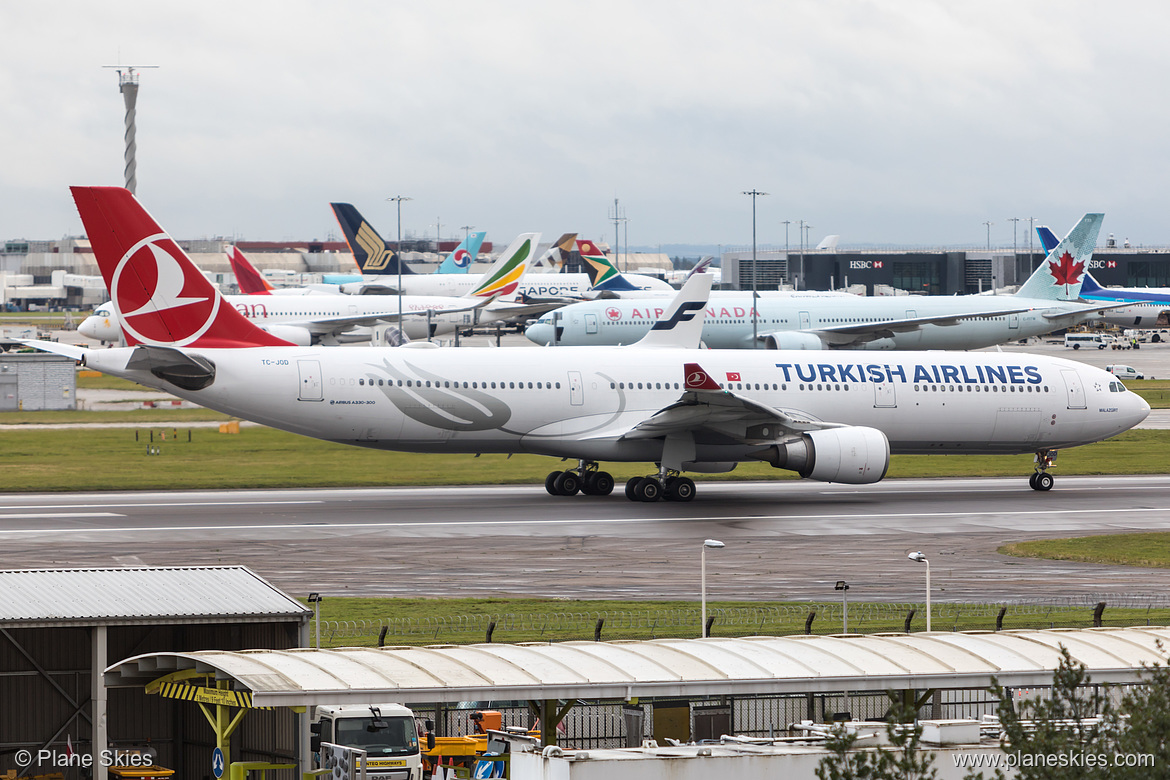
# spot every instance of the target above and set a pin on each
(539, 332)
(88, 327)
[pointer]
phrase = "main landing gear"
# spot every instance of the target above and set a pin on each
(1041, 480)
(585, 479)
(668, 485)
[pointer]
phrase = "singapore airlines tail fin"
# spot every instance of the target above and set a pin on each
(459, 261)
(1059, 277)
(249, 280)
(603, 274)
(681, 324)
(502, 279)
(160, 297)
(371, 252)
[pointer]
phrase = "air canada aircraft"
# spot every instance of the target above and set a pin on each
(380, 264)
(1046, 302)
(322, 318)
(1131, 307)
(828, 416)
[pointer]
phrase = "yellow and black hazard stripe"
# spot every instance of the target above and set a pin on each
(205, 695)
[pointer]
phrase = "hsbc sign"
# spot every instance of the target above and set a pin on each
(1096, 264)
(861, 265)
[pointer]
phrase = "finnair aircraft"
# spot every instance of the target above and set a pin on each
(336, 319)
(379, 264)
(824, 415)
(1046, 302)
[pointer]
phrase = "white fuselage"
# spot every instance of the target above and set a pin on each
(314, 312)
(579, 402)
(533, 285)
(728, 323)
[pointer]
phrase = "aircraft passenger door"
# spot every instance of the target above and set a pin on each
(883, 396)
(310, 384)
(1014, 321)
(1072, 384)
(576, 389)
(911, 314)
(590, 323)
(353, 310)
(805, 321)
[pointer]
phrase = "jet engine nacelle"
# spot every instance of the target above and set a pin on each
(793, 340)
(299, 336)
(854, 455)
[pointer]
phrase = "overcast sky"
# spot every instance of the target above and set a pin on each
(896, 122)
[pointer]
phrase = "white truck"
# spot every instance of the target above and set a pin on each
(387, 732)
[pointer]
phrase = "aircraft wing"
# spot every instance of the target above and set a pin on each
(339, 324)
(1063, 313)
(706, 407)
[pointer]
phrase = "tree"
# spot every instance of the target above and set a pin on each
(905, 761)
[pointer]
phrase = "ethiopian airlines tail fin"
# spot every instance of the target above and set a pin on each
(603, 275)
(502, 279)
(160, 297)
(681, 325)
(370, 251)
(248, 279)
(1059, 277)
(459, 261)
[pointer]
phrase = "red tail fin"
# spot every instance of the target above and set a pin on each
(251, 281)
(159, 295)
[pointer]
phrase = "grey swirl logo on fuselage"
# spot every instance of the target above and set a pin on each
(450, 408)
(457, 408)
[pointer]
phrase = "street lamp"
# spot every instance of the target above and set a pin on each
(920, 558)
(844, 588)
(988, 223)
(398, 257)
(755, 325)
(714, 544)
(315, 599)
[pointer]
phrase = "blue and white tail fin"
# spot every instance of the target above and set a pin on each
(1048, 239)
(371, 252)
(681, 325)
(459, 261)
(1060, 276)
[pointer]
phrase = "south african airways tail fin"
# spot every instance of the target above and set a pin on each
(681, 325)
(603, 274)
(459, 261)
(1060, 276)
(160, 297)
(371, 252)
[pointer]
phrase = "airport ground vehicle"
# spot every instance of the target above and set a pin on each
(387, 732)
(1087, 340)
(1125, 372)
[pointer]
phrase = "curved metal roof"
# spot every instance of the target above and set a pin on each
(661, 667)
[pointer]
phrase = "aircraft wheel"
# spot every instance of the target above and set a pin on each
(1044, 481)
(1032, 479)
(648, 490)
(550, 482)
(680, 489)
(598, 483)
(632, 487)
(567, 484)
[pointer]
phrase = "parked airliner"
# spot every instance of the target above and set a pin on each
(1046, 302)
(825, 415)
(379, 263)
(336, 319)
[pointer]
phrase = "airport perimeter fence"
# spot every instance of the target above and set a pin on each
(765, 620)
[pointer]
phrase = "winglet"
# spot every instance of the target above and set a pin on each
(1060, 276)
(681, 325)
(696, 378)
(159, 295)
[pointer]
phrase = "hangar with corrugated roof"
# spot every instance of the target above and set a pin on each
(59, 630)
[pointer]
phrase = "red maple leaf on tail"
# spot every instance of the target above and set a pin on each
(1066, 271)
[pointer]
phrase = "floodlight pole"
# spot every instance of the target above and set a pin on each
(714, 544)
(755, 318)
(398, 259)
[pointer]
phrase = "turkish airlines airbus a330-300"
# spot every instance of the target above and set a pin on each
(829, 416)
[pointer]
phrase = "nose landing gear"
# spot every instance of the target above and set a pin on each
(1041, 480)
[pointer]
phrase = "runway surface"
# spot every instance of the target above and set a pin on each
(785, 540)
